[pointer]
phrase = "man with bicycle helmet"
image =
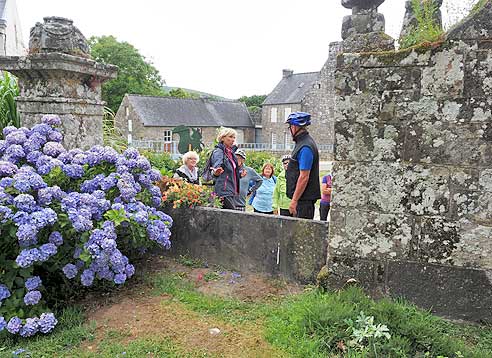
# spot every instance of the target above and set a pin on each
(302, 173)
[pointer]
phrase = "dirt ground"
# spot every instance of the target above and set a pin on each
(135, 313)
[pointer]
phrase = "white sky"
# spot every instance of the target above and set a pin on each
(228, 48)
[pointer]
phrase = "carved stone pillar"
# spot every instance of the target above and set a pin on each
(59, 77)
(363, 31)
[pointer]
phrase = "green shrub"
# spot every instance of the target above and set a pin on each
(163, 162)
(256, 160)
(8, 108)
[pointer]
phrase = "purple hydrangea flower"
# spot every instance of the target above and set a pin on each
(4, 292)
(129, 270)
(25, 202)
(32, 298)
(70, 271)
(87, 277)
(119, 279)
(55, 238)
(33, 283)
(55, 136)
(47, 322)
(16, 137)
(14, 325)
(53, 149)
(30, 328)
(42, 128)
(51, 119)
(7, 168)
(27, 257)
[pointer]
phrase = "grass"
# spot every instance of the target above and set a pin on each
(312, 324)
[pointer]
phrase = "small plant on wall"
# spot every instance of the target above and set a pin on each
(427, 28)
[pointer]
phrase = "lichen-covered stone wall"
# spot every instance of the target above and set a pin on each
(413, 172)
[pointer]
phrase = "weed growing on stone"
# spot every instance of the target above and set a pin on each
(427, 29)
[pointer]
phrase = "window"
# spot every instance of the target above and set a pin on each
(287, 111)
(168, 136)
(130, 125)
(287, 139)
(129, 138)
(274, 141)
(274, 115)
(127, 111)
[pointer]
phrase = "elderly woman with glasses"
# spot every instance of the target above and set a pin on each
(189, 170)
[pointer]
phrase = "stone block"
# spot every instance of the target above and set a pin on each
(368, 141)
(371, 235)
(478, 74)
(448, 143)
(460, 293)
(445, 77)
(378, 80)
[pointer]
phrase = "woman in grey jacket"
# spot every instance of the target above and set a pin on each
(225, 168)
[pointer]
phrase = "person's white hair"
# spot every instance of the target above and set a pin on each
(224, 132)
(188, 155)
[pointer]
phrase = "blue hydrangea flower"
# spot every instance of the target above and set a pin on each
(51, 119)
(129, 270)
(56, 238)
(33, 283)
(47, 322)
(27, 257)
(14, 325)
(46, 251)
(25, 202)
(16, 137)
(55, 136)
(74, 171)
(7, 168)
(3, 323)
(119, 279)
(30, 328)
(70, 271)
(4, 292)
(32, 298)
(87, 277)
(5, 214)
(53, 149)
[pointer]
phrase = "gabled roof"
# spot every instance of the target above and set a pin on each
(292, 89)
(169, 112)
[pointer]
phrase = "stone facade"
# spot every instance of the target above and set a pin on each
(412, 207)
(61, 83)
(320, 100)
(140, 132)
(11, 43)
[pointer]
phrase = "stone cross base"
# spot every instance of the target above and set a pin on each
(370, 42)
(81, 120)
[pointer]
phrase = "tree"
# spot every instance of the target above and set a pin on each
(181, 93)
(253, 101)
(135, 74)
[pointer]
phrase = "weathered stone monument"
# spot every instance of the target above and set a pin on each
(412, 207)
(59, 77)
(363, 31)
(410, 21)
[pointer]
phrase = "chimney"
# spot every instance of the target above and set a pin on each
(287, 73)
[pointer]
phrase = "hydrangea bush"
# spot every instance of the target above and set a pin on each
(70, 214)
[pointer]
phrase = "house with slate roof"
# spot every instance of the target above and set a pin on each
(311, 92)
(151, 118)
(11, 43)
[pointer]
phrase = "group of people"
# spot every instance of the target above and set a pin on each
(293, 192)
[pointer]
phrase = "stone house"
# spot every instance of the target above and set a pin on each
(11, 43)
(151, 118)
(311, 92)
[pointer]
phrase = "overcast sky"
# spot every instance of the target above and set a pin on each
(228, 48)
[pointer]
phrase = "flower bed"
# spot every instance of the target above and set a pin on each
(179, 193)
(69, 219)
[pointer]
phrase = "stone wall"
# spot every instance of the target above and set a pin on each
(320, 100)
(291, 248)
(412, 208)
